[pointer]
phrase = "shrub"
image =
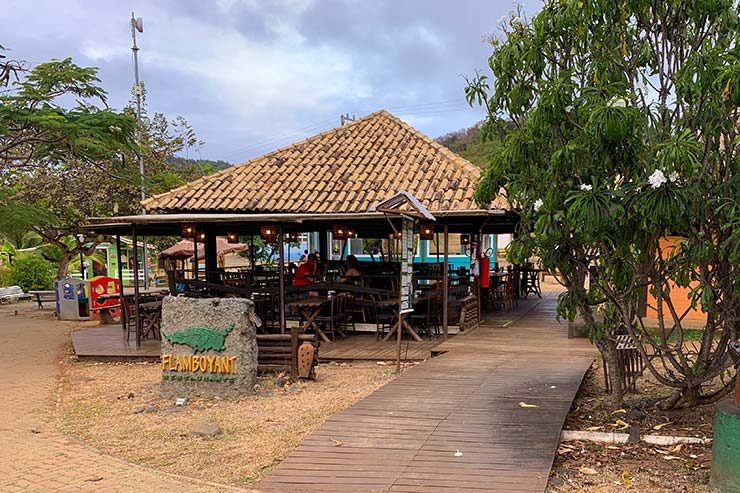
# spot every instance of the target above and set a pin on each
(31, 271)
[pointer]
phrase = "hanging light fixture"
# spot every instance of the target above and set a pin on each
(426, 232)
(351, 233)
(292, 237)
(187, 230)
(339, 232)
(397, 235)
(268, 233)
(232, 237)
(200, 235)
(465, 239)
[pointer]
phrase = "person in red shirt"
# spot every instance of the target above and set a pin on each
(305, 275)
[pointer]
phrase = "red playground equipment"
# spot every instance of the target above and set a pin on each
(104, 285)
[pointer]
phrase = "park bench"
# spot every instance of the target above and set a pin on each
(12, 294)
(43, 297)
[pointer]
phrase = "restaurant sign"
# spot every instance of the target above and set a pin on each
(208, 346)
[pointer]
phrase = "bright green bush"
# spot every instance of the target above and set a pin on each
(4, 275)
(31, 271)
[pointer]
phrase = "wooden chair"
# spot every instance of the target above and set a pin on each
(429, 319)
(128, 312)
(333, 318)
(151, 319)
(383, 314)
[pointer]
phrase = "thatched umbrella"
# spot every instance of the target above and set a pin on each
(184, 249)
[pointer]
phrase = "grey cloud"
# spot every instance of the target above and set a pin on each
(404, 55)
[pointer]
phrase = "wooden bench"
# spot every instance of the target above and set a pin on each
(468, 313)
(106, 317)
(44, 297)
(275, 352)
(629, 359)
(13, 294)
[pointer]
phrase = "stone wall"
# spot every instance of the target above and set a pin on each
(209, 347)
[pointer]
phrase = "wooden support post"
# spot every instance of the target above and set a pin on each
(136, 286)
(446, 283)
(120, 281)
(398, 340)
(281, 307)
(324, 249)
(195, 258)
(211, 256)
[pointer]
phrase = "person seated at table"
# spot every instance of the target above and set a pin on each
(305, 274)
(352, 270)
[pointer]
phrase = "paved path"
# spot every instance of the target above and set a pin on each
(32, 458)
(453, 423)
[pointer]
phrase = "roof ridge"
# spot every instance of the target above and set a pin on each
(456, 159)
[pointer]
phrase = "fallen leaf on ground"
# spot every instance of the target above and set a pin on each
(337, 443)
(661, 426)
(619, 411)
(621, 424)
(626, 479)
(564, 450)
(677, 448)
(527, 406)
(593, 428)
(671, 457)
(587, 470)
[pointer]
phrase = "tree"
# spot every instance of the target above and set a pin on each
(60, 166)
(35, 127)
(625, 121)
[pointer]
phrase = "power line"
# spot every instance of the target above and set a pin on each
(418, 109)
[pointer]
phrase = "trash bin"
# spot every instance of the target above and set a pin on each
(72, 298)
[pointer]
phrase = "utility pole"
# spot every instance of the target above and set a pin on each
(346, 118)
(137, 24)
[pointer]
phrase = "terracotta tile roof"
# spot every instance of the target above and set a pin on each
(346, 169)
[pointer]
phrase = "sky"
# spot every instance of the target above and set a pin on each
(251, 76)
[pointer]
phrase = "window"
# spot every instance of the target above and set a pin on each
(453, 243)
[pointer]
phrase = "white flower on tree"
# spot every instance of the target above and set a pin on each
(586, 188)
(537, 204)
(673, 177)
(657, 179)
(618, 103)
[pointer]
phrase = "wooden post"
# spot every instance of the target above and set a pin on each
(446, 283)
(281, 307)
(195, 258)
(136, 286)
(120, 281)
(211, 257)
(398, 340)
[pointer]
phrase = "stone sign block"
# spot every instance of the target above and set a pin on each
(209, 346)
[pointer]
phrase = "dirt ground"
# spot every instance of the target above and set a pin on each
(117, 408)
(602, 468)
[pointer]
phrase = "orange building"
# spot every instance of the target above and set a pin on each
(680, 296)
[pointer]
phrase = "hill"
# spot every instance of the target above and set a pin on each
(468, 144)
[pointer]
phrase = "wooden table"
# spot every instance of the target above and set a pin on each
(402, 323)
(310, 308)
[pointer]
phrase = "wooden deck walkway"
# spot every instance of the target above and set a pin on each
(405, 436)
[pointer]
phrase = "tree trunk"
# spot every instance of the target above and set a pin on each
(608, 349)
(63, 265)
